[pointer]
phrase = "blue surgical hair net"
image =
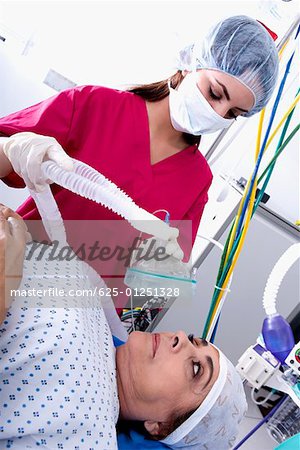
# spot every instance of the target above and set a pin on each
(242, 47)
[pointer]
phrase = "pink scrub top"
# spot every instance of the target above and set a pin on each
(109, 130)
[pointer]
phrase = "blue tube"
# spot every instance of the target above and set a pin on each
(213, 336)
(274, 109)
(264, 419)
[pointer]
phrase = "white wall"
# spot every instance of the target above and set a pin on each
(19, 88)
(116, 42)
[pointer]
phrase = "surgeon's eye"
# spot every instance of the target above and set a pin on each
(196, 368)
(213, 95)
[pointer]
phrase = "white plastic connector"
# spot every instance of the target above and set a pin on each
(257, 365)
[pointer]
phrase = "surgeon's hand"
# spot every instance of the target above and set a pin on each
(13, 237)
(27, 150)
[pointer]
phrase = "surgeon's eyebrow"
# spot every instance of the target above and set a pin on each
(224, 89)
(227, 95)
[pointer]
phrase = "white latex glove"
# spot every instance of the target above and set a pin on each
(13, 237)
(26, 151)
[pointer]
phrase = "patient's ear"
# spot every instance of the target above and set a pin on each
(161, 429)
(152, 427)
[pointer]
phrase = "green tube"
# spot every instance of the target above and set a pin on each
(262, 191)
(231, 255)
(280, 150)
(222, 273)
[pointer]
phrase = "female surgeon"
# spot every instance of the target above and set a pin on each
(146, 139)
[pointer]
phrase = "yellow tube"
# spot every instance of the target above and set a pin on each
(246, 225)
(258, 143)
(282, 121)
(238, 251)
(282, 49)
(251, 202)
(252, 197)
(259, 133)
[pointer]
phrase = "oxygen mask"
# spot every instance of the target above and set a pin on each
(154, 272)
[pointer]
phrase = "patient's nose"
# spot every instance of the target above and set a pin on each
(179, 340)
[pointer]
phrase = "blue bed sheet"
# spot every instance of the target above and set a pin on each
(136, 441)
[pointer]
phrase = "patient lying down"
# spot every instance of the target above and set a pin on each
(65, 386)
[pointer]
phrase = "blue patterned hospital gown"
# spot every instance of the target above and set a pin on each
(57, 363)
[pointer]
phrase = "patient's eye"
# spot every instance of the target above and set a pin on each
(195, 364)
(196, 368)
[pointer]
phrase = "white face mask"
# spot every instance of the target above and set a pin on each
(190, 111)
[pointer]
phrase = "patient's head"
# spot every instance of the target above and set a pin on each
(164, 378)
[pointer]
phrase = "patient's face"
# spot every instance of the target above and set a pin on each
(162, 374)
